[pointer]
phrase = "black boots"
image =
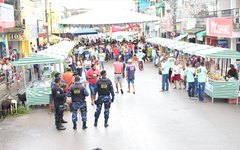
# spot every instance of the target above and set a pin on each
(95, 122)
(84, 125)
(74, 126)
(106, 123)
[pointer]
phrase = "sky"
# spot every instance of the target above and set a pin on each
(96, 4)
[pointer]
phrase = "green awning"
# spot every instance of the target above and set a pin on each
(193, 50)
(218, 52)
(194, 30)
(161, 5)
(54, 54)
(159, 11)
(202, 33)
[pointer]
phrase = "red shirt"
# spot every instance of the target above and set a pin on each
(93, 73)
(118, 67)
(115, 51)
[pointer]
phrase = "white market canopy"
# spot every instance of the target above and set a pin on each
(205, 51)
(54, 54)
(108, 17)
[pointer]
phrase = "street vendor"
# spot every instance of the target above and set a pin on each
(232, 72)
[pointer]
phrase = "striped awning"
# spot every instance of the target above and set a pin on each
(193, 50)
(188, 45)
(54, 54)
(178, 43)
(218, 52)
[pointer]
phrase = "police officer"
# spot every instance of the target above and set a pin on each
(104, 89)
(59, 99)
(78, 93)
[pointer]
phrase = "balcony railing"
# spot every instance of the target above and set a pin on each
(221, 13)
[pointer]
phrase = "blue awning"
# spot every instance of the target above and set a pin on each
(84, 31)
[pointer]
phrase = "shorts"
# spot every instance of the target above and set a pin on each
(177, 77)
(115, 57)
(130, 81)
(118, 78)
(101, 63)
(92, 88)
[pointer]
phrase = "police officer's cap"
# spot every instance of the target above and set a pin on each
(103, 72)
(77, 79)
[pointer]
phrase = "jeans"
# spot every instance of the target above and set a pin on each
(191, 89)
(83, 108)
(154, 58)
(165, 81)
(201, 90)
(196, 86)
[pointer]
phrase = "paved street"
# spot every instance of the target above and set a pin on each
(148, 120)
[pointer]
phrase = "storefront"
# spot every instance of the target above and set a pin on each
(3, 46)
(220, 32)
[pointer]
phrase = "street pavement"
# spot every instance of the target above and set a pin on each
(148, 120)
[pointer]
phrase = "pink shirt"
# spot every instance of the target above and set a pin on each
(92, 73)
(118, 67)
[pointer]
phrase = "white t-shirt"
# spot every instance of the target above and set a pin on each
(177, 69)
(87, 64)
(79, 64)
(70, 61)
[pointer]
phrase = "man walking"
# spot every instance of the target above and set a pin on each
(78, 93)
(190, 80)
(92, 76)
(118, 74)
(101, 58)
(130, 75)
(202, 78)
(58, 97)
(165, 75)
(140, 56)
(104, 88)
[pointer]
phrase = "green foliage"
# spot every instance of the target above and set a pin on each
(23, 110)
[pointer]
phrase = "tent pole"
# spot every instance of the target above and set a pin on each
(33, 75)
(226, 67)
(24, 77)
(222, 67)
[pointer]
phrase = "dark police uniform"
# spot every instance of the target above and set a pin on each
(104, 89)
(78, 93)
(58, 97)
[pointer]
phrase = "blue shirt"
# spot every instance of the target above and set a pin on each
(131, 71)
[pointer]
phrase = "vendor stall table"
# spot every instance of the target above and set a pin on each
(222, 89)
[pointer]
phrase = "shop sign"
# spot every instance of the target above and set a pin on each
(169, 26)
(222, 43)
(15, 37)
(220, 27)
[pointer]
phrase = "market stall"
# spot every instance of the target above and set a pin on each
(39, 92)
(216, 85)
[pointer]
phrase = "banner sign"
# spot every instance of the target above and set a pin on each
(220, 27)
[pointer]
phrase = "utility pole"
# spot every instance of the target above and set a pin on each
(50, 13)
(174, 17)
(46, 19)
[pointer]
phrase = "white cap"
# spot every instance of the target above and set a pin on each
(129, 60)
